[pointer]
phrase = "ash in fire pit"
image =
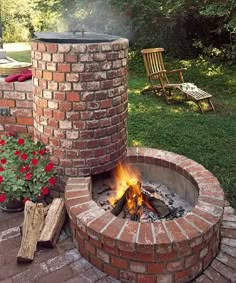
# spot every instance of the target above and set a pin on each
(126, 197)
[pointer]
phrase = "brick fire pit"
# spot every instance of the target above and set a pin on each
(168, 251)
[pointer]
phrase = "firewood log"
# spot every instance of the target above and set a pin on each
(119, 204)
(53, 223)
(32, 227)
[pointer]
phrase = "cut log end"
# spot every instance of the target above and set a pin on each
(32, 227)
(53, 223)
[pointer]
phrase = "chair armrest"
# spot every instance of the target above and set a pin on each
(176, 71)
(157, 73)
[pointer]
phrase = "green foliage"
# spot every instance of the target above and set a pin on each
(185, 28)
(25, 172)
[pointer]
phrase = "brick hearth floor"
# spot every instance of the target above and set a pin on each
(65, 264)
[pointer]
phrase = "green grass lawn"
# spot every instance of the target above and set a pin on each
(21, 56)
(209, 138)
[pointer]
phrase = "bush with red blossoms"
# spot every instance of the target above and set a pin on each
(25, 170)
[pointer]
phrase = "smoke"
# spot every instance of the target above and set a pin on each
(95, 16)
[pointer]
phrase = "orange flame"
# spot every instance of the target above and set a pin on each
(127, 177)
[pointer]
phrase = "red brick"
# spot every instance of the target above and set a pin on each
(70, 77)
(205, 215)
(215, 201)
(71, 58)
(147, 257)
(80, 200)
(138, 267)
(47, 75)
(64, 67)
(96, 262)
(58, 115)
(127, 238)
(25, 121)
(156, 268)
(174, 231)
(191, 260)
(99, 223)
(7, 120)
(73, 96)
(59, 96)
(167, 256)
(108, 249)
(51, 47)
(175, 265)
(96, 243)
(58, 77)
(65, 106)
(7, 103)
(16, 128)
(24, 104)
(89, 247)
(105, 257)
(183, 275)
(199, 223)
(113, 271)
(145, 241)
(119, 262)
(106, 103)
(47, 112)
(189, 229)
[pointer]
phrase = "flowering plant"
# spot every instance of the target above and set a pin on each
(25, 172)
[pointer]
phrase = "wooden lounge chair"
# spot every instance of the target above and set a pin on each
(159, 82)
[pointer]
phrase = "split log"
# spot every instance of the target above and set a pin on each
(32, 227)
(53, 223)
(159, 206)
(119, 204)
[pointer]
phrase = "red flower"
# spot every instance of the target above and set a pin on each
(22, 169)
(27, 168)
(11, 134)
(2, 142)
(34, 161)
(1, 179)
(42, 151)
(21, 141)
(23, 156)
(34, 152)
(28, 176)
(52, 181)
(3, 161)
(26, 199)
(45, 191)
(1, 169)
(2, 198)
(49, 167)
(17, 152)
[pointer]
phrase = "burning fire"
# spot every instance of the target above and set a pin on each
(127, 182)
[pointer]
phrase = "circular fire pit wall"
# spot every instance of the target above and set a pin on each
(80, 103)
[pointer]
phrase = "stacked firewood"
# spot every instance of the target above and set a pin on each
(42, 226)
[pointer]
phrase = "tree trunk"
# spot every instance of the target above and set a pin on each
(32, 227)
(53, 223)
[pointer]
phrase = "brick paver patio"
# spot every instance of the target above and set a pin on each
(65, 264)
